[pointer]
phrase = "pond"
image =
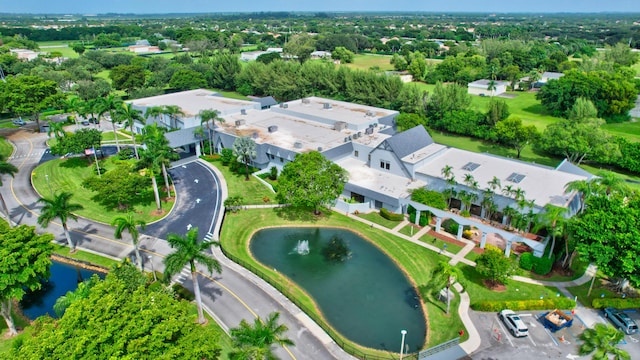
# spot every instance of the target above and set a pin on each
(64, 277)
(365, 297)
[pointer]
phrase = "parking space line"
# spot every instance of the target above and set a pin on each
(506, 334)
(533, 342)
(553, 338)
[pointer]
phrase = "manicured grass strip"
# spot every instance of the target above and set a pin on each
(68, 175)
(84, 256)
(452, 248)
(5, 148)
(515, 290)
(599, 291)
(368, 61)
(253, 192)
(628, 130)
(376, 218)
(409, 230)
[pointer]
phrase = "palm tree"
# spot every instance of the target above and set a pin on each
(153, 111)
(59, 207)
(487, 203)
(198, 133)
(189, 250)
(73, 105)
(467, 198)
(205, 117)
(10, 169)
(57, 128)
(159, 149)
(491, 86)
(508, 190)
(447, 171)
(610, 183)
(603, 341)
(173, 111)
(553, 219)
(130, 224)
(449, 193)
(494, 184)
(518, 194)
(81, 292)
(584, 187)
(130, 116)
(254, 341)
(444, 275)
(469, 180)
(110, 104)
(510, 213)
(245, 149)
(147, 161)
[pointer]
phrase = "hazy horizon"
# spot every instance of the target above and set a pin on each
(141, 7)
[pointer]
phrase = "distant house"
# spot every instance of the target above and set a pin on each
(481, 87)
(24, 54)
(548, 75)
(321, 54)
(143, 42)
(404, 76)
(141, 49)
(251, 55)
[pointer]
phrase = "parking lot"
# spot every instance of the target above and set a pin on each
(498, 343)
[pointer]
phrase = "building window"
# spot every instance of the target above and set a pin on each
(281, 159)
(355, 153)
(385, 164)
(272, 156)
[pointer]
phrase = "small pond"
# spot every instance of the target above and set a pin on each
(64, 277)
(366, 297)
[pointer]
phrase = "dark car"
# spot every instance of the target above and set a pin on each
(621, 321)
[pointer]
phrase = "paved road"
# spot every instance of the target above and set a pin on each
(231, 296)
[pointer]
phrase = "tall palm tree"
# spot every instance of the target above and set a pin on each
(444, 275)
(148, 162)
(153, 112)
(518, 194)
(72, 105)
(255, 341)
(59, 207)
(173, 111)
(245, 149)
(189, 250)
(603, 342)
(57, 129)
(610, 183)
(584, 187)
(447, 171)
(467, 198)
(494, 184)
(508, 190)
(6, 169)
(111, 105)
(491, 87)
(130, 116)
(198, 133)
(469, 180)
(553, 219)
(206, 116)
(158, 146)
(130, 224)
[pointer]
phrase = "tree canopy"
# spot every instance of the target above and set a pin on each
(311, 180)
(117, 320)
(25, 262)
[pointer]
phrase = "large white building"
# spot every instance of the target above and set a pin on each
(383, 165)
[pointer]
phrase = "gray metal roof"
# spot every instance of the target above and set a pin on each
(266, 102)
(568, 167)
(410, 141)
(340, 151)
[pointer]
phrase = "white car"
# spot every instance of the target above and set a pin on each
(514, 323)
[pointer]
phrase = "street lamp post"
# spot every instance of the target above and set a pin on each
(152, 269)
(403, 332)
(46, 176)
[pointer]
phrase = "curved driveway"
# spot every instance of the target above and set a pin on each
(231, 296)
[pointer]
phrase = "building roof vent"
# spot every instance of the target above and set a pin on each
(240, 122)
(368, 131)
(339, 125)
(273, 128)
(326, 106)
(284, 105)
(254, 135)
(320, 148)
(355, 136)
(370, 113)
(306, 101)
(346, 139)
(243, 111)
(297, 145)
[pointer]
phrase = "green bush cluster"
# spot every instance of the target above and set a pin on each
(539, 265)
(630, 303)
(451, 227)
(519, 305)
(391, 215)
(424, 218)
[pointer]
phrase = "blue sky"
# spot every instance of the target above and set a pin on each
(188, 6)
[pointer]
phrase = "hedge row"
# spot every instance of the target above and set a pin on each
(630, 303)
(391, 215)
(519, 305)
(424, 218)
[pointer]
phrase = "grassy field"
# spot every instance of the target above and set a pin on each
(253, 192)
(376, 218)
(68, 174)
(368, 61)
(416, 261)
(628, 130)
(440, 244)
(62, 46)
(599, 289)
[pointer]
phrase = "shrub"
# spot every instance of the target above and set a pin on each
(391, 215)
(543, 265)
(451, 227)
(467, 234)
(429, 197)
(424, 218)
(226, 156)
(519, 305)
(629, 303)
(465, 213)
(126, 153)
(182, 292)
(526, 261)
(273, 173)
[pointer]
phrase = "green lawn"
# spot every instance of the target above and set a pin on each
(253, 192)
(68, 174)
(375, 217)
(628, 130)
(368, 61)
(84, 256)
(108, 136)
(599, 289)
(452, 248)
(104, 74)
(5, 148)
(409, 230)
(417, 262)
